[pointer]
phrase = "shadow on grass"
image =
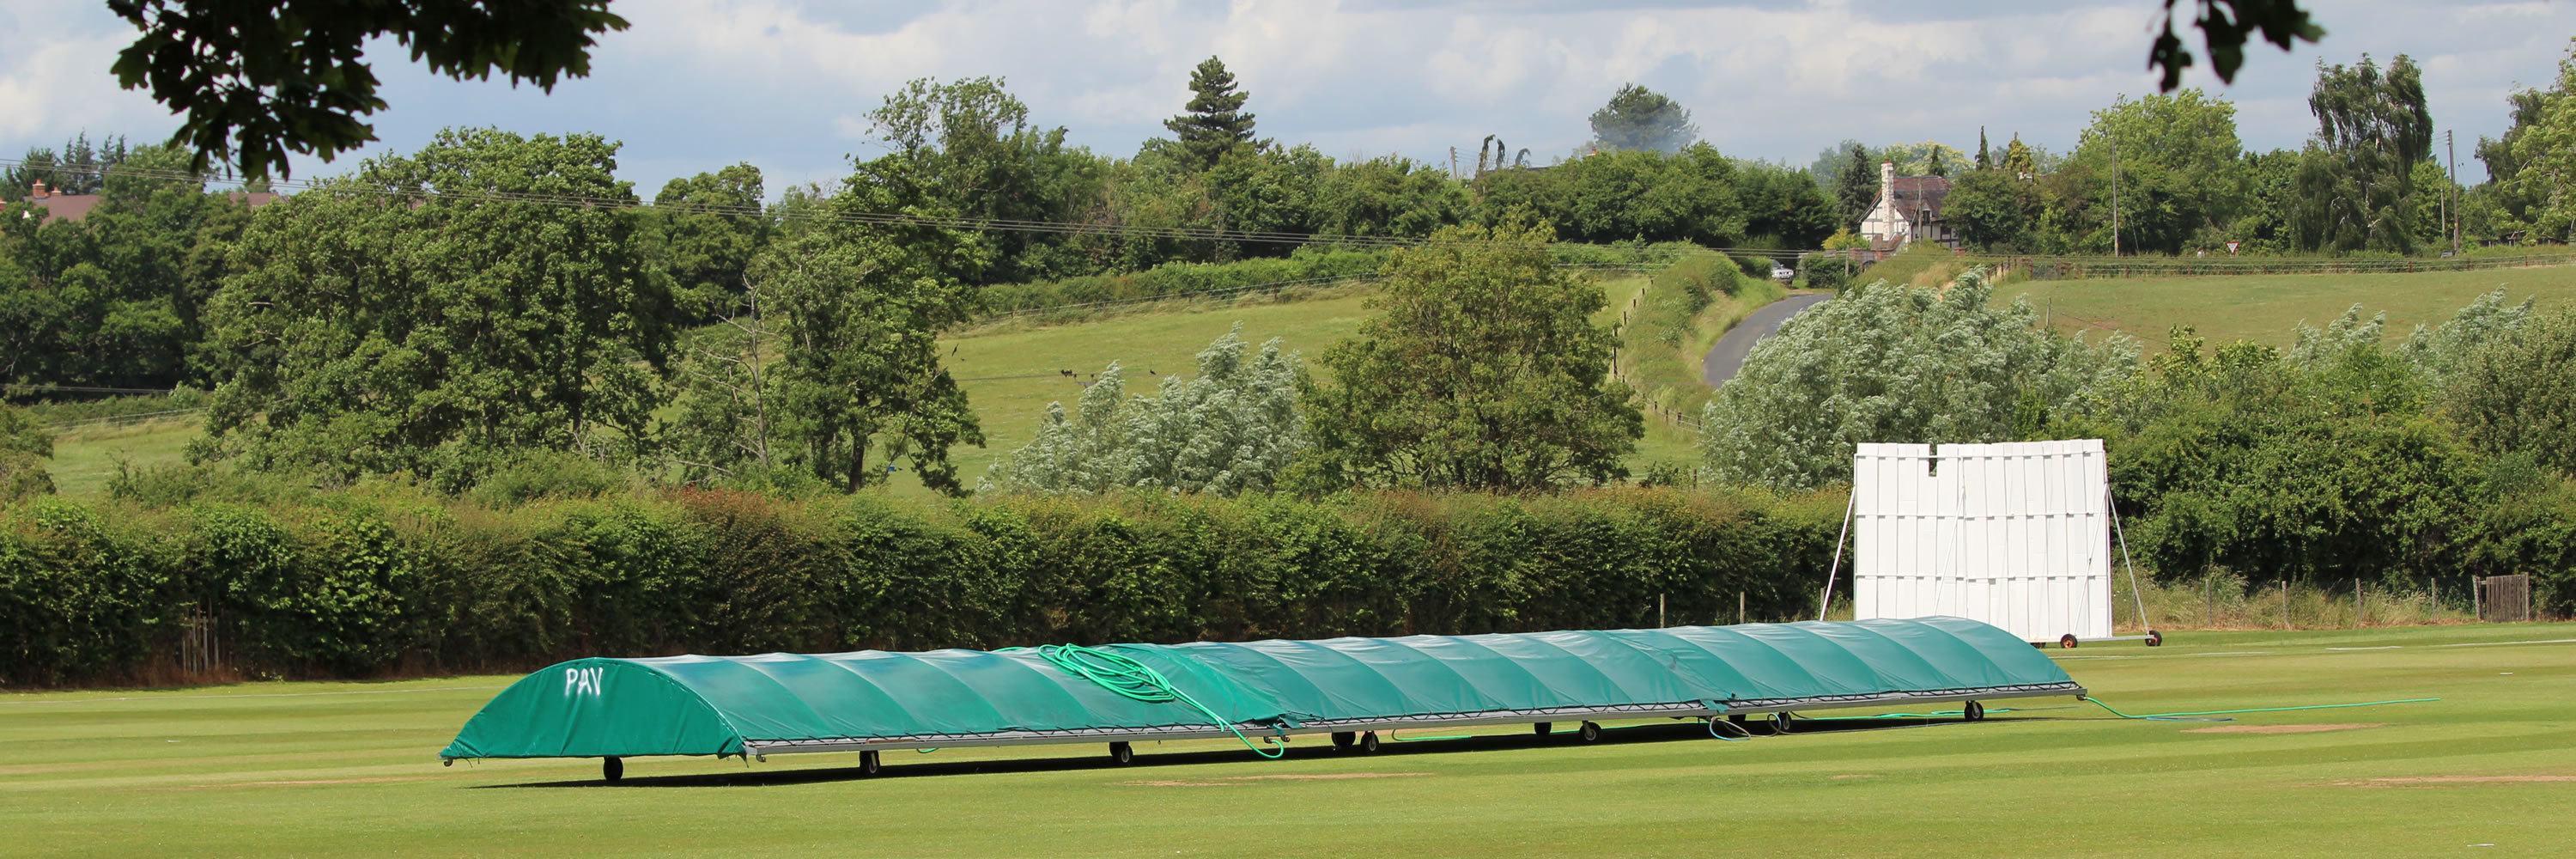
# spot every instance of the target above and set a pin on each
(897, 767)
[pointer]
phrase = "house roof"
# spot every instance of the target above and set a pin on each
(73, 207)
(1917, 193)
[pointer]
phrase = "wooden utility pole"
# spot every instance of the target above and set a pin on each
(2451, 213)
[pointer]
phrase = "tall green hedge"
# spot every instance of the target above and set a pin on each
(359, 584)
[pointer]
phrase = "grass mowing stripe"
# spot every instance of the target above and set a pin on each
(322, 775)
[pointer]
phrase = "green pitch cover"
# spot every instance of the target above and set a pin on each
(730, 705)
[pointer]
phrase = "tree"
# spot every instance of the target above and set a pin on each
(1992, 210)
(2542, 153)
(858, 310)
(1985, 159)
(2372, 129)
(704, 231)
(1234, 428)
(416, 317)
(1640, 119)
(1856, 187)
(2019, 162)
(1215, 123)
(1481, 370)
(77, 168)
(253, 81)
(1892, 363)
(2181, 169)
(2224, 33)
(980, 155)
(1784, 205)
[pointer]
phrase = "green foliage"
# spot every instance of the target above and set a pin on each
(24, 447)
(1894, 363)
(1856, 187)
(114, 299)
(2372, 129)
(349, 585)
(2515, 392)
(1215, 124)
(1645, 196)
(2181, 173)
(1481, 370)
(255, 81)
(1319, 265)
(375, 328)
(1638, 119)
(1996, 210)
(704, 230)
(2539, 155)
(858, 311)
(1825, 270)
(1235, 428)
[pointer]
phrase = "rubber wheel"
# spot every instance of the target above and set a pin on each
(2155, 639)
(1590, 733)
(612, 769)
(1122, 754)
(1974, 712)
(1368, 743)
(1344, 739)
(2066, 641)
(869, 763)
(1543, 728)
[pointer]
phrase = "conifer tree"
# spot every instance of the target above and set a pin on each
(1215, 122)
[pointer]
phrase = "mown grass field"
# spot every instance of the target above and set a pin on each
(347, 769)
(2264, 308)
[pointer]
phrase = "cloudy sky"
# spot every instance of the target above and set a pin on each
(785, 84)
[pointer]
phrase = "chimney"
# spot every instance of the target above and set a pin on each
(1887, 183)
(37, 192)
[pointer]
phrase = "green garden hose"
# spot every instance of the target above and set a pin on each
(1137, 681)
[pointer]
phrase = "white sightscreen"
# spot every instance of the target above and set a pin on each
(2014, 534)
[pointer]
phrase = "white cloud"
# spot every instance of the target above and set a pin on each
(785, 83)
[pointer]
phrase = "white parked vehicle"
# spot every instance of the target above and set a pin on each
(1783, 273)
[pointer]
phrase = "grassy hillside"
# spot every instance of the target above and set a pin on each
(346, 769)
(2263, 308)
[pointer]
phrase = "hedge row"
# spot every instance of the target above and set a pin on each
(1182, 278)
(351, 585)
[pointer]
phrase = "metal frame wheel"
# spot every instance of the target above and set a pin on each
(1974, 712)
(1344, 739)
(1590, 732)
(869, 763)
(1121, 753)
(2067, 641)
(611, 769)
(1368, 743)
(2155, 639)
(1543, 728)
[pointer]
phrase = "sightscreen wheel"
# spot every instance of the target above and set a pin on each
(1344, 739)
(1974, 712)
(612, 769)
(2066, 641)
(1590, 733)
(1543, 728)
(1368, 743)
(1122, 754)
(2155, 639)
(869, 763)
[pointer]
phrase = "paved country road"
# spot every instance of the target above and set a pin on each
(1727, 356)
